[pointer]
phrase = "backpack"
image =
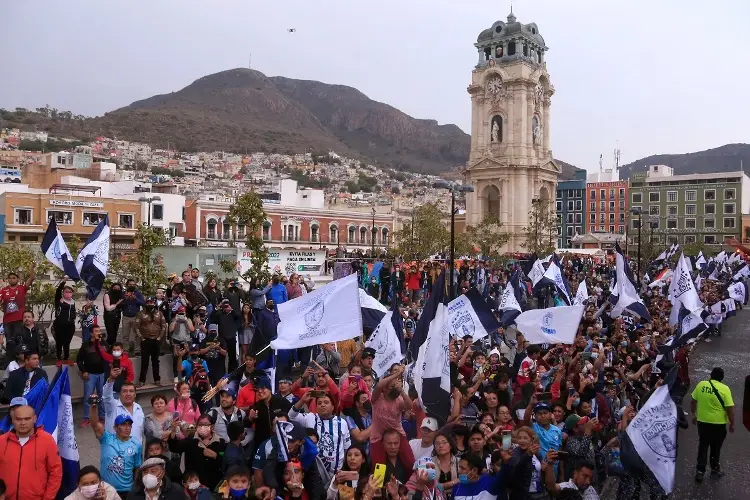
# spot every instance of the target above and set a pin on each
(198, 380)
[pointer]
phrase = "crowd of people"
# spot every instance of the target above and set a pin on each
(527, 421)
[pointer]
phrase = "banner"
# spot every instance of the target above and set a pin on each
(385, 340)
(554, 275)
(738, 292)
(372, 310)
(287, 261)
(56, 251)
(328, 314)
(653, 433)
(582, 295)
(469, 314)
(93, 261)
(554, 325)
(624, 296)
(432, 368)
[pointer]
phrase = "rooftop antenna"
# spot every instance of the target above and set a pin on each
(250, 61)
(601, 160)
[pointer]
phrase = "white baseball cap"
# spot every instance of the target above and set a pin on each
(430, 423)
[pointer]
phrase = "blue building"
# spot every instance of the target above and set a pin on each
(571, 208)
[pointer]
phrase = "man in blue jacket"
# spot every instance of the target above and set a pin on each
(473, 485)
(278, 292)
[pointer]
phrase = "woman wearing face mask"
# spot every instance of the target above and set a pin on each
(525, 481)
(91, 486)
(113, 311)
(203, 451)
(423, 483)
(345, 482)
(182, 407)
(65, 322)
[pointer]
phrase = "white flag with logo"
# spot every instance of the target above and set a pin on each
(653, 433)
(536, 273)
(582, 295)
(554, 274)
(327, 314)
(682, 290)
(738, 292)
(554, 325)
(387, 345)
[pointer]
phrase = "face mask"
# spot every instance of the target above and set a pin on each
(594, 355)
(194, 485)
(150, 481)
(237, 493)
(116, 354)
(90, 490)
(204, 432)
(576, 402)
(431, 474)
(624, 343)
(463, 478)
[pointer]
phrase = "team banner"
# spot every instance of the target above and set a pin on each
(93, 261)
(328, 314)
(469, 314)
(555, 325)
(56, 251)
(582, 295)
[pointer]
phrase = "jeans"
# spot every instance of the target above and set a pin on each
(86, 333)
(150, 350)
(232, 363)
(128, 332)
(95, 383)
(710, 436)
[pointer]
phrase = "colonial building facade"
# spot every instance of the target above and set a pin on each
(510, 163)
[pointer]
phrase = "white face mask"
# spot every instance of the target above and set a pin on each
(116, 354)
(194, 485)
(150, 481)
(90, 490)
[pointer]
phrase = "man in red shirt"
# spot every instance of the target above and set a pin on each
(528, 368)
(13, 299)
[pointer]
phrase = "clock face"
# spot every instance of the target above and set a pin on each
(495, 85)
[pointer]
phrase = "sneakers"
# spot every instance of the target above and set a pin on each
(157, 383)
(717, 472)
(699, 477)
(69, 362)
(84, 423)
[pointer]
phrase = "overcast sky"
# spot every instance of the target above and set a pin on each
(647, 76)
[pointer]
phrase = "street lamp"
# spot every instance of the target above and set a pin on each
(537, 243)
(637, 211)
(149, 200)
(453, 188)
(372, 251)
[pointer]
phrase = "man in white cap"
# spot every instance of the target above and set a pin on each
(155, 484)
(423, 447)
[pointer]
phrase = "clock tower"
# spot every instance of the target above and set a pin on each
(510, 164)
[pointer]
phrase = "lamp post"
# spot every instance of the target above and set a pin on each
(537, 243)
(453, 188)
(372, 251)
(637, 211)
(149, 200)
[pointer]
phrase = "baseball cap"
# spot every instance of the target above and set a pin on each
(18, 401)
(213, 327)
(429, 423)
(228, 391)
(225, 302)
(542, 407)
(297, 433)
(262, 382)
(22, 349)
(368, 352)
(123, 419)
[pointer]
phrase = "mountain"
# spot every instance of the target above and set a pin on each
(727, 158)
(244, 110)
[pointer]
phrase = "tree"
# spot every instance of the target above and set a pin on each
(144, 265)
(426, 234)
(488, 235)
(248, 211)
(541, 233)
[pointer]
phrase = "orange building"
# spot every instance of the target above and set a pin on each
(607, 207)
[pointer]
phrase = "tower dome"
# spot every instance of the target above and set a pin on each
(510, 41)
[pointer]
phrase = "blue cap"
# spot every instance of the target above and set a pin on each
(122, 419)
(262, 383)
(19, 401)
(542, 406)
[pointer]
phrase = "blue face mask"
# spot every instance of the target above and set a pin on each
(624, 343)
(576, 402)
(237, 493)
(431, 474)
(463, 478)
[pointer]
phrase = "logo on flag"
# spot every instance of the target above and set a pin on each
(659, 435)
(683, 284)
(312, 320)
(463, 322)
(547, 324)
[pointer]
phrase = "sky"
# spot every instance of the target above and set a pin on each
(647, 77)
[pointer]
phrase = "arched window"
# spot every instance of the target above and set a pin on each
(211, 227)
(384, 236)
(352, 235)
(363, 235)
(225, 231)
(266, 231)
(333, 234)
(492, 201)
(314, 230)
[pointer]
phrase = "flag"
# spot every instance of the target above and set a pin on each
(689, 326)
(327, 314)
(662, 256)
(743, 272)
(625, 296)
(428, 313)
(554, 275)
(35, 397)
(56, 416)
(56, 251)
(387, 342)
(469, 314)
(554, 325)
(682, 290)
(721, 257)
(93, 261)
(509, 305)
(582, 294)
(738, 292)
(653, 435)
(372, 310)
(700, 261)
(537, 272)
(432, 366)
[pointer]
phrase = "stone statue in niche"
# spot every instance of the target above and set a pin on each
(496, 134)
(538, 95)
(535, 130)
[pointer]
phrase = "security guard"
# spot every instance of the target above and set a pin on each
(712, 407)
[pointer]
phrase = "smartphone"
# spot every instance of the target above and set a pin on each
(379, 475)
(586, 356)
(507, 440)
(115, 363)
(562, 455)
(476, 348)
(176, 415)
(316, 394)
(545, 396)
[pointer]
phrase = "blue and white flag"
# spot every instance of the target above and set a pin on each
(428, 312)
(372, 310)
(743, 272)
(327, 314)
(662, 256)
(35, 398)
(682, 291)
(93, 261)
(700, 261)
(536, 273)
(56, 416)
(624, 297)
(653, 434)
(56, 251)
(582, 294)
(554, 275)
(386, 339)
(554, 325)
(470, 315)
(721, 257)
(689, 326)
(432, 367)
(509, 305)
(738, 292)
